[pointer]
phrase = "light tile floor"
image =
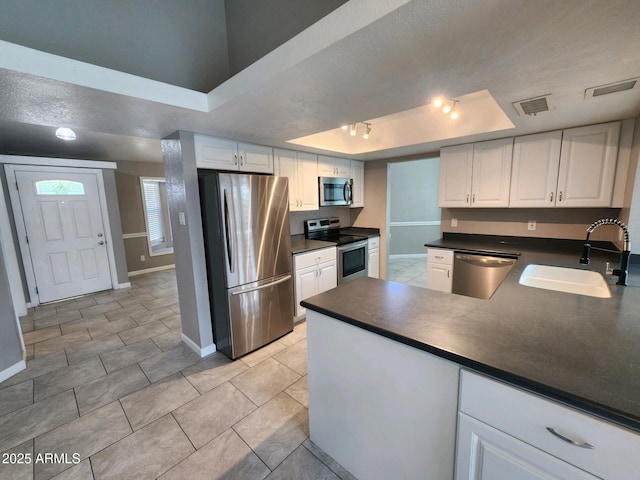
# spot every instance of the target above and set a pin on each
(112, 391)
(409, 270)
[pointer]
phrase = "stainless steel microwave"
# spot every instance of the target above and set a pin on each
(335, 191)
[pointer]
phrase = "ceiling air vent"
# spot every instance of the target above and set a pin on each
(612, 88)
(533, 106)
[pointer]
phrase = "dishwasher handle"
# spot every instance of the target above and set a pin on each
(481, 261)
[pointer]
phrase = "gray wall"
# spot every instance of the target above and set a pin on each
(177, 42)
(132, 213)
(413, 197)
(255, 27)
(10, 344)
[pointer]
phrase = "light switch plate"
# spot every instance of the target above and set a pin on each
(454, 222)
(532, 225)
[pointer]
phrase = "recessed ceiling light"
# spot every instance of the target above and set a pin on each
(64, 133)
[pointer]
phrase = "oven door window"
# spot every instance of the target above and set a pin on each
(353, 261)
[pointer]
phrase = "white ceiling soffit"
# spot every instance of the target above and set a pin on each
(479, 113)
(368, 59)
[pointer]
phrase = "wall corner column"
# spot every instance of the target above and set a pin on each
(178, 153)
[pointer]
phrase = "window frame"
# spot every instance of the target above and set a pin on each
(165, 247)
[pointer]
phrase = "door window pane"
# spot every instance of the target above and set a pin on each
(59, 187)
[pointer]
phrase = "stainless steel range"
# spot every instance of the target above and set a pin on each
(353, 250)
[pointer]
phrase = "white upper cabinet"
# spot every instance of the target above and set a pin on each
(221, 154)
(476, 175)
(357, 174)
(456, 165)
(334, 167)
(535, 170)
(302, 171)
(588, 165)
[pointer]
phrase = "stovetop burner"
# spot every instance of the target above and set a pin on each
(328, 229)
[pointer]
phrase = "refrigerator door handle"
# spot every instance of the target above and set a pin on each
(270, 284)
(229, 230)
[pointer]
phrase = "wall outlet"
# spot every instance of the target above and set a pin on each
(142, 259)
(531, 225)
(454, 222)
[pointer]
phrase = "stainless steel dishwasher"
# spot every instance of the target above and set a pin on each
(479, 276)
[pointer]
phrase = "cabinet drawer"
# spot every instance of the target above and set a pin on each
(374, 242)
(310, 259)
(527, 416)
(440, 255)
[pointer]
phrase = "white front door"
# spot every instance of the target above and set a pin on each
(66, 237)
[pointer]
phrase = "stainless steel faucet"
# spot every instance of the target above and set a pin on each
(621, 272)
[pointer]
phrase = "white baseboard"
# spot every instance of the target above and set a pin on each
(409, 255)
(151, 270)
(122, 285)
(203, 352)
(11, 371)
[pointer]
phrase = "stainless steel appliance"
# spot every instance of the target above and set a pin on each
(479, 276)
(353, 250)
(248, 253)
(335, 191)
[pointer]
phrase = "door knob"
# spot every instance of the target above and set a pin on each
(100, 242)
(99, 235)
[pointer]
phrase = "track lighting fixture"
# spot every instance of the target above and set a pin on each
(448, 107)
(365, 135)
(353, 129)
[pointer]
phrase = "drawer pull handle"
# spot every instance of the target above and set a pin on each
(568, 440)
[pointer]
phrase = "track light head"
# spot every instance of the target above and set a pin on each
(352, 131)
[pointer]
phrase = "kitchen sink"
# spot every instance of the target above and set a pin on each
(563, 279)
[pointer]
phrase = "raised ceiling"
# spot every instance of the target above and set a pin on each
(365, 60)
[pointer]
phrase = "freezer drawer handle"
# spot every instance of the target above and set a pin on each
(270, 284)
(568, 440)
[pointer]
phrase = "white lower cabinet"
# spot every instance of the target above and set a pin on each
(315, 272)
(505, 433)
(374, 257)
(440, 269)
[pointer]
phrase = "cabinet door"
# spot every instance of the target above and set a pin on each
(343, 167)
(308, 181)
(357, 174)
(588, 165)
(286, 165)
(374, 263)
(486, 453)
(326, 166)
(306, 286)
(255, 158)
(439, 277)
(327, 276)
(216, 153)
(455, 176)
(491, 176)
(534, 172)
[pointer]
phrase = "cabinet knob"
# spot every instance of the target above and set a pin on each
(474, 198)
(467, 200)
(235, 159)
(551, 197)
(560, 196)
(241, 160)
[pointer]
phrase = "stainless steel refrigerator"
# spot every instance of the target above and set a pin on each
(248, 253)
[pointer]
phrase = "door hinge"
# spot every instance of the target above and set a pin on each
(17, 186)
(27, 238)
(37, 292)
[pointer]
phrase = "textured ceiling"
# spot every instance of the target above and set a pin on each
(367, 59)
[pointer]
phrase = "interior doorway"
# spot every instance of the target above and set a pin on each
(414, 218)
(63, 229)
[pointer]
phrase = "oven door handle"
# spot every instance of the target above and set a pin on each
(353, 246)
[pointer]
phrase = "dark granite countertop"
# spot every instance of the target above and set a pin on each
(363, 232)
(299, 244)
(579, 350)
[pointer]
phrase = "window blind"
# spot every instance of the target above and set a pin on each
(154, 211)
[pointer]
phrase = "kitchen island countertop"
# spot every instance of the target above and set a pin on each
(582, 351)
